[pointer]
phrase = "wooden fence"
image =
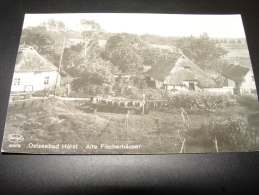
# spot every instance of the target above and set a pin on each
(24, 100)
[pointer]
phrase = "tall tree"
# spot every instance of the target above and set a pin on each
(72, 59)
(47, 39)
(54, 25)
(151, 56)
(90, 31)
(97, 72)
(38, 38)
(202, 50)
(78, 56)
(84, 61)
(41, 40)
(125, 51)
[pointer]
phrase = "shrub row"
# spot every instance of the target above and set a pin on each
(201, 100)
(249, 101)
(232, 134)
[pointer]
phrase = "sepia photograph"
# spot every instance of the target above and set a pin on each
(110, 83)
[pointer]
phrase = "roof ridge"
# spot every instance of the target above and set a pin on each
(241, 66)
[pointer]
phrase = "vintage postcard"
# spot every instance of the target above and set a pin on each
(132, 84)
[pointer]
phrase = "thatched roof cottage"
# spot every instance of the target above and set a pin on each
(176, 72)
(33, 72)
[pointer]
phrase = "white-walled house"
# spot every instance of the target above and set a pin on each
(238, 75)
(33, 72)
(177, 73)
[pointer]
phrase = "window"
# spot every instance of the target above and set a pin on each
(16, 81)
(253, 78)
(46, 80)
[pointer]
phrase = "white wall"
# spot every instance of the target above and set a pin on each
(179, 88)
(183, 88)
(231, 83)
(247, 85)
(249, 82)
(221, 90)
(35, 79)
(158, 84)
(187, 83)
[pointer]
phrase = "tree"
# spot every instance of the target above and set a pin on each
(84, 62)
(77, 56)
(156, 39)
(125, 51)
(73, 57)
(48, 43)
(239, 41)
(233, 134)
(54, 25)
(90, 33)
(152, 56)
(216, 67)
(202, 50)
(39, 38)
(97, 72)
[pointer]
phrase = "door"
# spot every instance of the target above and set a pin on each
(28, 88)
(191, 86)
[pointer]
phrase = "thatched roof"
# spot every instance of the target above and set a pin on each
(28, 60)
(178, 68)
(162, 70)
(235, 72)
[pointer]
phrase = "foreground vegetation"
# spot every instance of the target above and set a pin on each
(233, 127)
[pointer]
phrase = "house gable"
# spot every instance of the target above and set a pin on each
(249, 82)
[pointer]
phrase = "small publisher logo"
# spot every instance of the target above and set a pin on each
(15, 138)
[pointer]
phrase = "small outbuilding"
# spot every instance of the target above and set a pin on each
(241, 78)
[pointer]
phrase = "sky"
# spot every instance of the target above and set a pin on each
(217, 26)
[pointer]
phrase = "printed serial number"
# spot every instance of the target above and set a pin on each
(14, 145)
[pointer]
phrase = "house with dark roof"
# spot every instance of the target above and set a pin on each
(177, 73)
(240, 78)
(33, 72)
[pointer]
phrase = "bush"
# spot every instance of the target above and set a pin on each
(248, 101)
(78, 95)
(232, 134)
(39, 123)
(201, 100)
(32, 124)
(45, 93)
